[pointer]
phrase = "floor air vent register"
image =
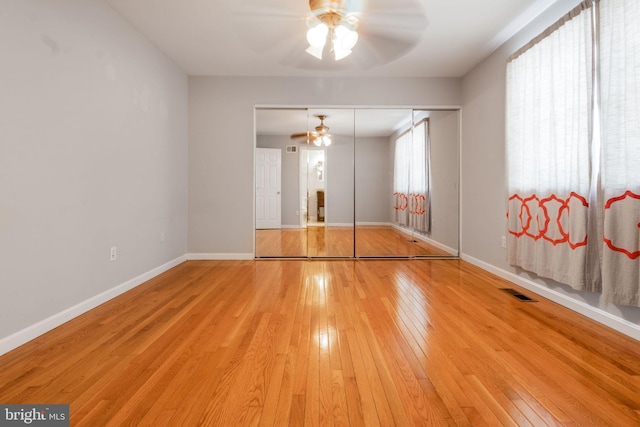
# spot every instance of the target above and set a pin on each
(517, 295)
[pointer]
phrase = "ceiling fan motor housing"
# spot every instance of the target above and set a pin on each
(330, 12)
(320, 6)
(322, 129)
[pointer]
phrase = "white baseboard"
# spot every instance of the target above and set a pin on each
(219, 257)
(27, 334)
(447, 249)
(619, 324)
(442, 247)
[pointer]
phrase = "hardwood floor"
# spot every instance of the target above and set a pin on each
(371, 241)
(305, 242)
(376, 342)
(388, 241)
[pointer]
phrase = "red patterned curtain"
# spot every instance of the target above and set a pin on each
(574, 183)
(548, 138)
(620, 114)
(411, 179)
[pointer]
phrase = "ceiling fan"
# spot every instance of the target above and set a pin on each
(366, 33)
(319, 137)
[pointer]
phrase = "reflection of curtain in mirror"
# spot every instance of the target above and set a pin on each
(401, 180)
(411, 179)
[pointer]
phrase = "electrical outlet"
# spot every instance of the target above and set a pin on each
(297, 213)
(113, 253)
(162, 236)
(504, 241)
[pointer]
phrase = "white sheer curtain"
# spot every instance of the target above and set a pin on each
(548, 140)
(620, 124)
(401, 179)
(411, 179)
(419, 178)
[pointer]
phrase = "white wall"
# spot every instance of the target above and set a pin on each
(339, 182)
(374, 180)
(93, 154)
(444, 136)
(221, 141)
(484, 179)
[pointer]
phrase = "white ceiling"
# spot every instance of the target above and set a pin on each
(398, 38)
(432, 38)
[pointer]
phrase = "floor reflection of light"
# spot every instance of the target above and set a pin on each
(323, 340)
(326, 338)
(410, 306)
(323, 330)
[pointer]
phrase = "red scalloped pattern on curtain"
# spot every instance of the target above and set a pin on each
(526, 218)
(402, 201)
(630, 252)
(418, 204)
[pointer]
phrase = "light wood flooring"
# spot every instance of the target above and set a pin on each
(322, 241)
(355, 342)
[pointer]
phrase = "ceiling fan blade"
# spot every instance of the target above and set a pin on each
(264, 25)
(301, 135)
(395, 23)
(377, 48)
(268, 9)
(388, 30)
(404, 7)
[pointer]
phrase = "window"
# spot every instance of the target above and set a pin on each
(620, 173)
(573, 159)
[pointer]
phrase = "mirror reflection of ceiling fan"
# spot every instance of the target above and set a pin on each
(319, 137)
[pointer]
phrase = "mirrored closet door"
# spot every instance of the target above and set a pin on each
(328, 192)
(363, 182)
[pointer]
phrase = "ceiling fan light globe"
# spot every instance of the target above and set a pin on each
(315, 51)
(317, 142)
(326, 140)
(345, 37)
(340, 53)
(317, 36)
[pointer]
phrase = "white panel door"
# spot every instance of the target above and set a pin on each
(268, 188)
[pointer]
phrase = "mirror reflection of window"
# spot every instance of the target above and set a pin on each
(411, 183)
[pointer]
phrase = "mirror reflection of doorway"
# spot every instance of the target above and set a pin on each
(312, 187)
(268, 188)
